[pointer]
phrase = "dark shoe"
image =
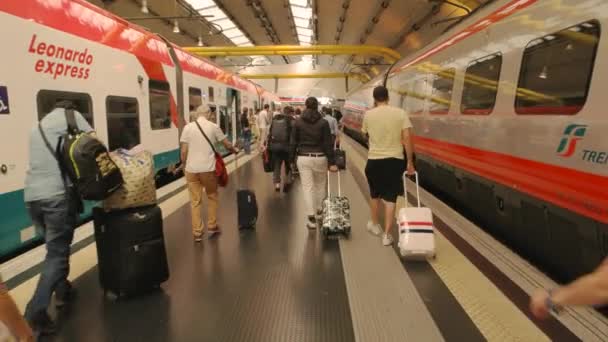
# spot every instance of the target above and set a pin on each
(64, 294)
(42, 324)
(312, 223)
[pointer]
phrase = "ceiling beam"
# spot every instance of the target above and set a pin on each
(293, 50)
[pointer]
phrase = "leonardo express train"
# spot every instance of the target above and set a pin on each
(509, 120)
(132, 86)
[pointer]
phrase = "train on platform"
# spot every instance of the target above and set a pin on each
(133, 86)
(508, 114)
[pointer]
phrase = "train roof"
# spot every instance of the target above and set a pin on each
(85, 20)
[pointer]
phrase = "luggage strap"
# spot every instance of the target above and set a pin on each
(405, 188)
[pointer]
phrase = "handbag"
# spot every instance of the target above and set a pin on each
(220, 167)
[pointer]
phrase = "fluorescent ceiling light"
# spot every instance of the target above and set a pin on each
(233, 32)
(198, 4)
(301, 12)
(245, 44)
(216, 12)
(225, 24)
(304, 31)
(304, 39)
(301, 22)
(301, 3)
(241, 40)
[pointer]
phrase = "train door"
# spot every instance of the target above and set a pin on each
(233, 103)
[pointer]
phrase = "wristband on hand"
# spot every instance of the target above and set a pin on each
(551, 304)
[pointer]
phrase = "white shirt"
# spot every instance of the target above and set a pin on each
(263, 121)
(200, 154)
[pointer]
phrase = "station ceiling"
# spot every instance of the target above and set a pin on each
(403, 25)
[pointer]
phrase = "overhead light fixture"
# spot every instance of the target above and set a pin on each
(175, 26)
(543, 74)
(200, 41)
(144, 7)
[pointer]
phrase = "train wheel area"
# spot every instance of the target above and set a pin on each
(283, 282)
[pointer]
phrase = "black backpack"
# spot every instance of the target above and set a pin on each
(86, 162)
(280, 130)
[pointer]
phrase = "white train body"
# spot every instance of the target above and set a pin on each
(531, 165)
(72, 49)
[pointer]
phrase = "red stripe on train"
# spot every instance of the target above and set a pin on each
(580, 192)
(415, 223)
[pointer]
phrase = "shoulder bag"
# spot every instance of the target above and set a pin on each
(220, 167)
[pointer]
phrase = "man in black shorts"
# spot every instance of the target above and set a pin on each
(389, 130)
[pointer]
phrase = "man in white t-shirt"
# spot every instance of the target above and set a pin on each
(390, 132)
(199, 160)
(263, 123)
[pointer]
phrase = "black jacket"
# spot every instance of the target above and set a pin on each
(311, 134)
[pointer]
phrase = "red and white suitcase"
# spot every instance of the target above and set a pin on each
(416, 230)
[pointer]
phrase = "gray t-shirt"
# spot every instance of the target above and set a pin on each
(43, 178)
(333, 124)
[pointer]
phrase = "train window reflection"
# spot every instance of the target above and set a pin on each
(481, 85)
(211, 95)
(416, 95)
(195, 98)
(123, 122)
(48, 99)
(441, 93)
(160, 105)
(556, 71)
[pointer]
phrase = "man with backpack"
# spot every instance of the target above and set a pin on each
(278, 145)
(54, 212)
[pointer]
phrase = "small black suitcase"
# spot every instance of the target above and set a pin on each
(130, 249)
(247, 204)
(247, 208)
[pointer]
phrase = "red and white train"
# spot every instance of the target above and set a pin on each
(508, 113)
(132, 85)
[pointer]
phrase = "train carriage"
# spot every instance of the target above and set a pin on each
(133, 86)
(507, 109)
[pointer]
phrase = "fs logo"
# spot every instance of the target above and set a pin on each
(572, 134)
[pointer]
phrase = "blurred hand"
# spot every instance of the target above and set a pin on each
(333, 168)
(410, 169)
(538, 304)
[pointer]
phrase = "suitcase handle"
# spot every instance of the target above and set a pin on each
(329, 187)
(405, 188)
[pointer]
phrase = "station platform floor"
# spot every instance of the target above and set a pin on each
(283, 282)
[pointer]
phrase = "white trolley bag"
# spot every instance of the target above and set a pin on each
(416, 230)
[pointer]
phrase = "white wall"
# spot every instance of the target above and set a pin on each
(335, 87)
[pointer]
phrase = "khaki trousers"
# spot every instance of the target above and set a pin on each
(196, 183)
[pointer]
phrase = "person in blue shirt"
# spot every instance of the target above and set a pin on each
(54, 213)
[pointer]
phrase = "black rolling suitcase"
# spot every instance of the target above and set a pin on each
(130, 249)
(247, 205)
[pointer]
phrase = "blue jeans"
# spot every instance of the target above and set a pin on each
(56, 218)
(247, 141)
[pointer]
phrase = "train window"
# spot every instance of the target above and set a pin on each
(556, 71)
(47, 99)
(160, 105)
(416, 95)
(195, 98)
(481, 85)
(211, 95)
(441, 93)
(123, 122)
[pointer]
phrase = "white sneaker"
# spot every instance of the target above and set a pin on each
(374, 229)
(387, 240)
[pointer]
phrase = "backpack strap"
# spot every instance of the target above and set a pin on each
(54, 153)
(205, 135)
(70, 118)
